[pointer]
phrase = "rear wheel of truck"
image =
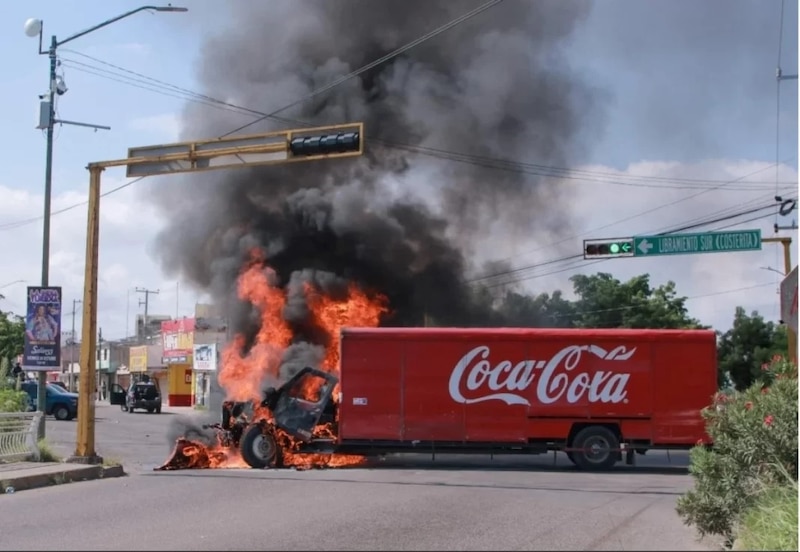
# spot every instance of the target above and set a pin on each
(598, 448)
(259, 448)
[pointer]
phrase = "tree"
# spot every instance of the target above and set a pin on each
(747, 346)
(543, 310)
(5, 372)
(605, 302)
(12, 335)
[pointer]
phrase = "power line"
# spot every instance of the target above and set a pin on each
(778, 103)
(520, 274)
(24, 222)
(185, 94)
(689, 298)
(498, 164)
(488, 162)
(571, 257)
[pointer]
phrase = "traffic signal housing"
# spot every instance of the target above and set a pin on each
(326, 144)
(608, 249)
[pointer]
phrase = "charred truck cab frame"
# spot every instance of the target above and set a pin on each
(298, 407)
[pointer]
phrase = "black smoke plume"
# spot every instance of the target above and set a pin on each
(400, 223)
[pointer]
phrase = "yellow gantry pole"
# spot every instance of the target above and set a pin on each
(234, 151)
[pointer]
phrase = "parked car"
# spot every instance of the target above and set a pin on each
(62, 405)
(140, 395)
(60, 384)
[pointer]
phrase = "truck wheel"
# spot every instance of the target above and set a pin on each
(598, 448)
(259, 448)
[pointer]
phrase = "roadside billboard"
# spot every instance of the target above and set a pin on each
(138, 359)
(178, 340)
(205, 357)
(42, 343)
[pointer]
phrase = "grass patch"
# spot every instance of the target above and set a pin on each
(772, 523)
(46, 453)
(200, 407)
(111, 462)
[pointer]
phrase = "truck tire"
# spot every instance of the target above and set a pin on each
(259, 448)
(598, 448)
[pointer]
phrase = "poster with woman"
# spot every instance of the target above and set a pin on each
(43, 329)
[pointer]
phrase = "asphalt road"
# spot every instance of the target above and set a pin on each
(404, 503)
(140, 441)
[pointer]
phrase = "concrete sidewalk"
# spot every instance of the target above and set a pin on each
(18, 476)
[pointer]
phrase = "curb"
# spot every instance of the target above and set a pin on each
(58, 475)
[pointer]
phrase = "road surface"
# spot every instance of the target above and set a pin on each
(408, 503)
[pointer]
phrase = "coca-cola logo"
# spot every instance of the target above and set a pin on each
(556, 379)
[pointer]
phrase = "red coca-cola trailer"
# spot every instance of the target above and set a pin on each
(593, 394)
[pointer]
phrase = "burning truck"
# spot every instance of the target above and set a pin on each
(596, 395)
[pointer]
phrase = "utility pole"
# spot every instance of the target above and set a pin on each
(146, 303)
(786, 242)
(72, 348)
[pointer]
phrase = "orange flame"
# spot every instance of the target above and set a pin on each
(242, 372)
(241, 376)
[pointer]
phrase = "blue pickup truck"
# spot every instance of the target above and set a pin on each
(62, 405)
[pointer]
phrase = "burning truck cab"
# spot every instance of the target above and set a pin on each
(300, 416)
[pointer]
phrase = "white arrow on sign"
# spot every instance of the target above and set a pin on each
(645, 246)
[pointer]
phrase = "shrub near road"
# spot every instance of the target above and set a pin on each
(12, 400)
(753, 460)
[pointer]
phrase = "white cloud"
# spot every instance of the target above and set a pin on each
(140, 48)
(129, 226)
(167, 124)
(716, 283)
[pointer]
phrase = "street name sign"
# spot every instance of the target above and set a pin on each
(689, 244)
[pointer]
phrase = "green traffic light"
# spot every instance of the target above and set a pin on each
(614, 248)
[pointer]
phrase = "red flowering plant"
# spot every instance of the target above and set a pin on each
(754, 434)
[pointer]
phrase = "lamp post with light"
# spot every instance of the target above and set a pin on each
(34, 28)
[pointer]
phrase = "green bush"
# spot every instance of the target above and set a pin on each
(12, 400)
(771, 524)
(755, 444)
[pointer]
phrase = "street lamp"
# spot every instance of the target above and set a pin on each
(772, 270)
(33, 28)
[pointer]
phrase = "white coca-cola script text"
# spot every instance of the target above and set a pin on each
(484, 379)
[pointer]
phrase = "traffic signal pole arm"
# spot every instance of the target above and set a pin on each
(285, 146)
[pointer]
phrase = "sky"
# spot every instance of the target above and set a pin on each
(690, 129)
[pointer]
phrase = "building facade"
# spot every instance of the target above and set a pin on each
(177, 341)
(210, 337)
(146, 359)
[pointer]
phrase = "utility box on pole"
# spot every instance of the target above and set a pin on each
(44, 115)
